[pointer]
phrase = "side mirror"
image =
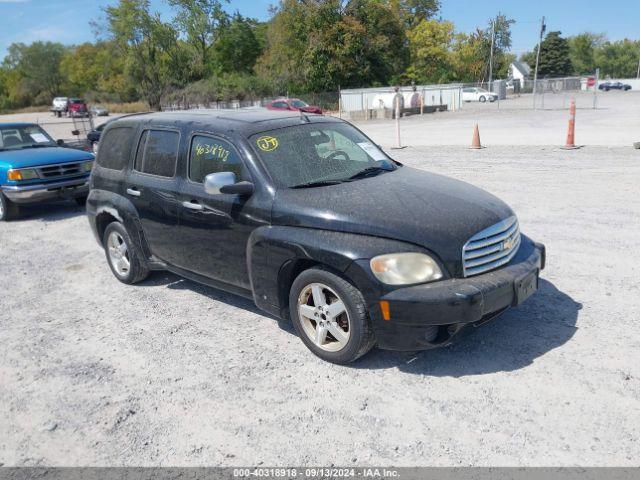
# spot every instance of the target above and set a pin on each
(225, 182)
(60, 142)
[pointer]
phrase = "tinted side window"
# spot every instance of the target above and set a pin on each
(157, 153)
(212, 155)
(115, 148)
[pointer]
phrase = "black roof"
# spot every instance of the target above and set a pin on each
(247, 122)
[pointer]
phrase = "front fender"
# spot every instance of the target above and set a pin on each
(275, 255)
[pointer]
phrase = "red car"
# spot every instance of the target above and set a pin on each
(77, 108)
(294, 104)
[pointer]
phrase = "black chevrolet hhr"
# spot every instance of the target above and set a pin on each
(313, 221)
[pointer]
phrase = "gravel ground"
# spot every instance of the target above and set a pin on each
(616, 122)
(96, 373)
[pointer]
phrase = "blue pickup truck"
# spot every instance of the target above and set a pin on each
(34, 168)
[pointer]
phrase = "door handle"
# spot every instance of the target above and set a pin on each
(133, 192)
(192, 206)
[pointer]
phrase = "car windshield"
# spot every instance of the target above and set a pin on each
(24, 136)
(314, 154)
(482, 90)
(299, 103)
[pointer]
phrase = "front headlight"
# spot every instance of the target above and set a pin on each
(87, 166)
(24, 174)
(405, 268)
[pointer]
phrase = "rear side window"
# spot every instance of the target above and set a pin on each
(157, 153)
(212, 155)
(115, 148)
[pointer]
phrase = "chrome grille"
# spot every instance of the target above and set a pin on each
(60, 170)
(491, 248)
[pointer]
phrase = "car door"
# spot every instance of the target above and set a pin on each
(152, 186)
(468, 95)
(214, 229)
(280, 105)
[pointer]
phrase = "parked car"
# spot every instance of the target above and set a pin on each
(78, 108)
(478, 95)
(60, 106)
(606, 86)
(293, 104)
(99, 111)
(311, 220)
(35, 169)
(93, 137)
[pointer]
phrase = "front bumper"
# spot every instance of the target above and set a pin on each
(35, 193)
(431, 315)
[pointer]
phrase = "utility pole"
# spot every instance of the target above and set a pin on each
(638, 68)
(493, 36)
(543, 27)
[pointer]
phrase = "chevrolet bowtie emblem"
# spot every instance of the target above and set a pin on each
(508, 244)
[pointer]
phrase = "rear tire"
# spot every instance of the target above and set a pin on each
(8, 209)
(483, 99)
(123, 260)
(330, 316)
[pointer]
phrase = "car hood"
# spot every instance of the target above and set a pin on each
(33, 157)
(414, 206)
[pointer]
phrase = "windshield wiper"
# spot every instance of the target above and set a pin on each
(370, 171)
(320, 183)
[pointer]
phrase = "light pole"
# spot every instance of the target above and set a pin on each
(493, 36)
(543, 27)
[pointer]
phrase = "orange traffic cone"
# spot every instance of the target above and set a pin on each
(475, 143)
(571, 132)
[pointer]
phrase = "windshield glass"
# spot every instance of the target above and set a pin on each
(28, 136)
(318, 152)
(299, 103)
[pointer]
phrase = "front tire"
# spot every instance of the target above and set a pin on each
(8, 209)
(483, 99)
(122, 258)
(330, 316)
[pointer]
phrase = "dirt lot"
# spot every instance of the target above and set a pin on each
(616, 122)
(93, 372)
(173, 373)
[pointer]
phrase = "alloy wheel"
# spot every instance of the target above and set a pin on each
(324, 317)
(118, 254)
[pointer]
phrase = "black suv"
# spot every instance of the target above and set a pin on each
(313, 221)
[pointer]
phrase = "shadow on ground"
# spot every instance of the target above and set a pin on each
(175, 282)
(49, 212)
(513, 341)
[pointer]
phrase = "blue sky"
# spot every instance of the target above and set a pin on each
(67, 21)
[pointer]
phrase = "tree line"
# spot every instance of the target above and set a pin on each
(306, 46)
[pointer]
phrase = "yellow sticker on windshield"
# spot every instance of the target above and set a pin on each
(267, 144)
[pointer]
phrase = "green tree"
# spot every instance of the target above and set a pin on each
(412, 12)
(322, 45)
(470, 56)
(555, 60)
(36, 71)
(148, 45)
(201, 22)
(582, 51)
(618, 59)
(92, 69)
(238, 46)
(430, 44)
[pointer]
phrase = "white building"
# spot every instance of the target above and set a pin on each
(519, 71)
